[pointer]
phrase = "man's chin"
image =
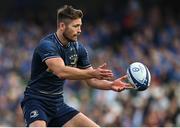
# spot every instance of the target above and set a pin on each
(74, 40)
(71, 40)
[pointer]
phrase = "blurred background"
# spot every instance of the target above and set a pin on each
(118, 32)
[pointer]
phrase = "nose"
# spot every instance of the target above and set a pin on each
(79, 30)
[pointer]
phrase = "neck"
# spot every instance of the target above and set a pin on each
(61, 38)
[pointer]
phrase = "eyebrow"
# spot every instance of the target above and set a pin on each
(77, 24)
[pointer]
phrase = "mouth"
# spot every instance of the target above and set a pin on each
(75, 36)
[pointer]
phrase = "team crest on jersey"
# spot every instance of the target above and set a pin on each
(73, 58)
(34, 114)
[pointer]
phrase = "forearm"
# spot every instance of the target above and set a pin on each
(74, 73)
(57, 67)
(100, 84)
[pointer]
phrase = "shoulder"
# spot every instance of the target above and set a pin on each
(47, 43)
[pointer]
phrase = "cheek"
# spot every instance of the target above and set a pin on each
(70, 32)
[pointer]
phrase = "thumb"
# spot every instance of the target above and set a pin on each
(103, 66)
(123, 77)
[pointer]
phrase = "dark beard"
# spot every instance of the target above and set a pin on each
(67, 38)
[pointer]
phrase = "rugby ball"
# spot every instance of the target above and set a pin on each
(139, 76)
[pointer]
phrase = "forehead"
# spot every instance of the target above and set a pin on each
(76, 22)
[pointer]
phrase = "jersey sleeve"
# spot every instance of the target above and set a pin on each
(83, 58)
(47, 49)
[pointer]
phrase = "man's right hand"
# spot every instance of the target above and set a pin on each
(102, 73)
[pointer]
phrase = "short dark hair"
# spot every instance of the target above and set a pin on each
(68, 12)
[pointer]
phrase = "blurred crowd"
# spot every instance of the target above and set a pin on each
(119, 38)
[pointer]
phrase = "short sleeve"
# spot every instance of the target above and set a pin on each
(83, 58)
(47, 49)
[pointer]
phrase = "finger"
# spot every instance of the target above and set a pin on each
(105, 71)
(124, 77)
(129, 86)
(105, 78)
(108, 76)
(126, 84)
(103, 66)
(120, 89)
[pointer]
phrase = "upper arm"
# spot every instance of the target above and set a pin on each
(55, 64)
(50, 55)
(47, 49)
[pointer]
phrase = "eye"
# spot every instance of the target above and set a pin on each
(76, 26)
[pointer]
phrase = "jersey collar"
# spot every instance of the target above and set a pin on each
(60, 41)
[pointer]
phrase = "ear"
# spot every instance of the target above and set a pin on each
(61, 26)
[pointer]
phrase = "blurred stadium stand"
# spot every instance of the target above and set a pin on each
(118, 32)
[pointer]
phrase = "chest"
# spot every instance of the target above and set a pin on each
(70, 56)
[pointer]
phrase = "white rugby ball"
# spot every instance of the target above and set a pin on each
(139, 76)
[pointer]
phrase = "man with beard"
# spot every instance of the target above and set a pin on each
(57, 57)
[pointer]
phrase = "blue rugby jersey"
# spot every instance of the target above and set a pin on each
(44, 84)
